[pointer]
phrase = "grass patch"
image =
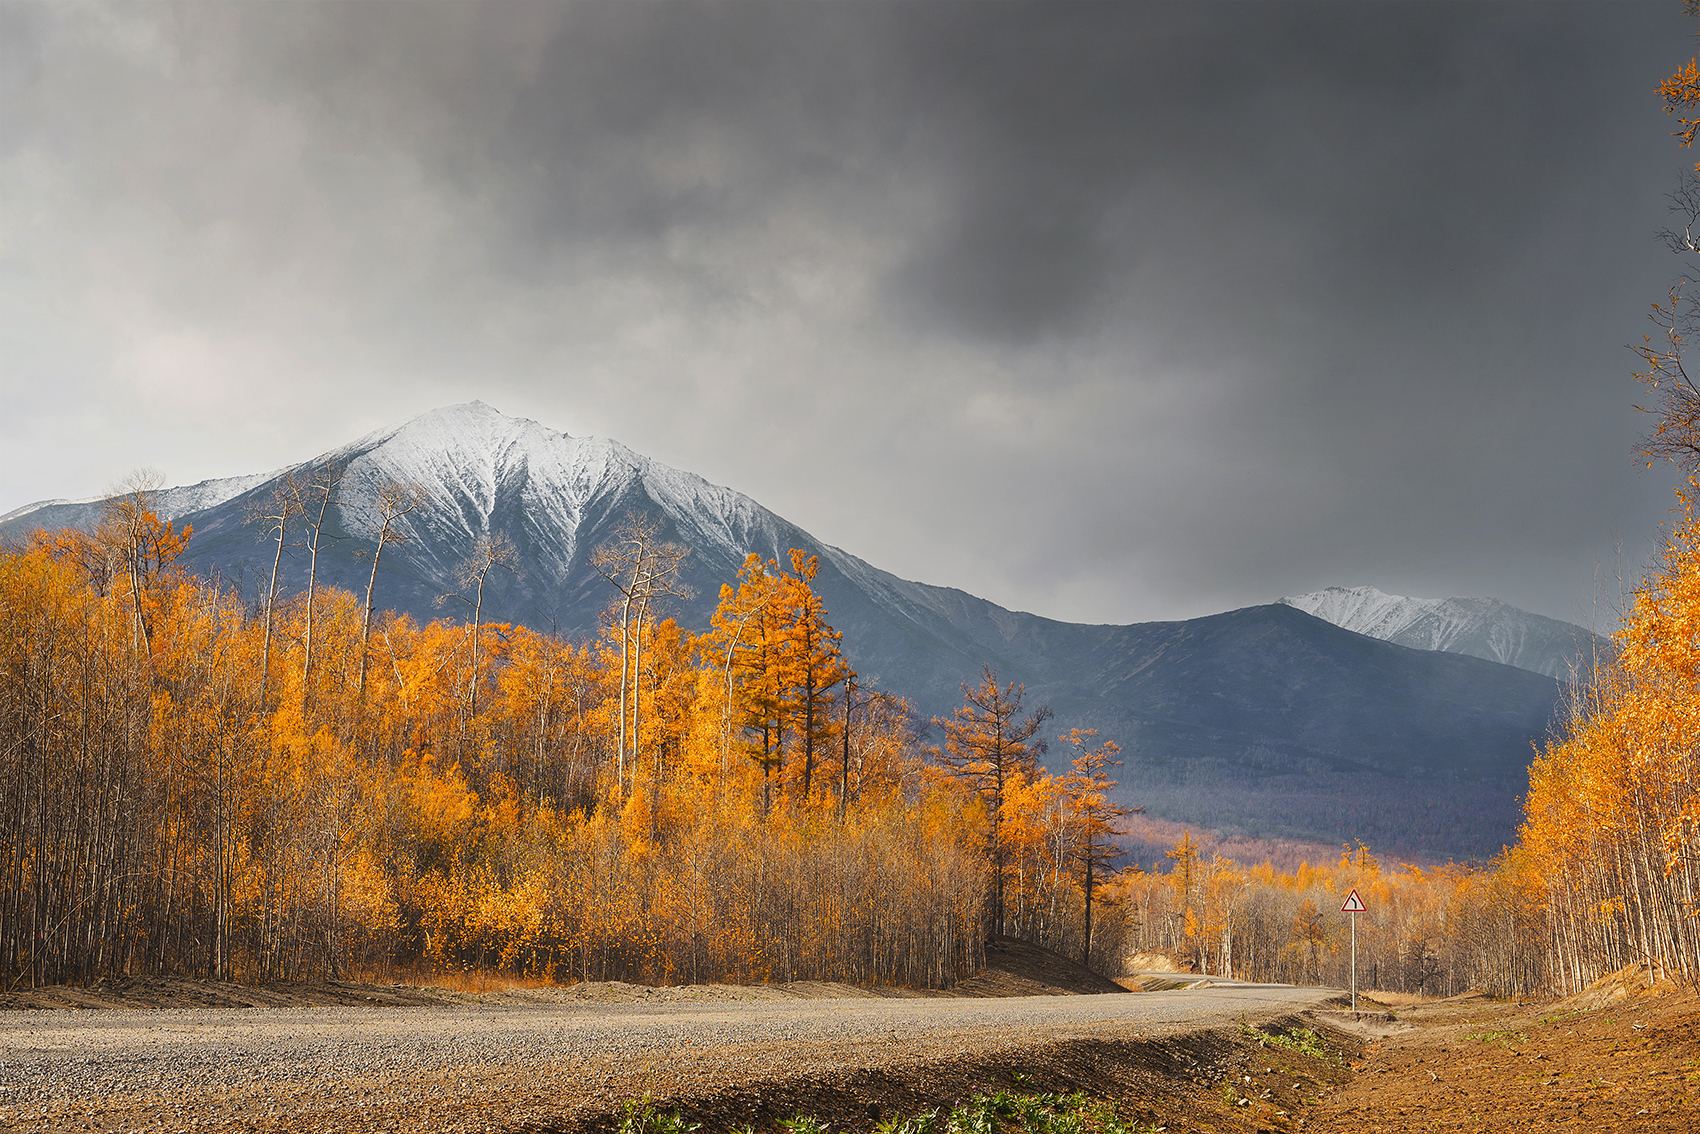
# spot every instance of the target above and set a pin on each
(464, 979)
(1393, 999)
(1503, 1039)
(1302, 1040)
(643, 1117)
(1005, 1113)
(1000, 1113)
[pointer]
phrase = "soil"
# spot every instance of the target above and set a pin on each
(1622, 1056)
(1211, 1080)
(1625, 1055)
(1013, 968)
(178, 992)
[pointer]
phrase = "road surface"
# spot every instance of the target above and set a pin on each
(492, 1066)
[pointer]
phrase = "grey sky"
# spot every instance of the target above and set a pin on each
(1108, 312)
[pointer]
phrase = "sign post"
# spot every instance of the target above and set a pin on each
(1354, 905)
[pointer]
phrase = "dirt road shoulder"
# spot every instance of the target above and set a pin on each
(1621, 1057)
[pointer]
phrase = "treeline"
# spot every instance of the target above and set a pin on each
(1433, 932)
(1612, 840)
(300, 787)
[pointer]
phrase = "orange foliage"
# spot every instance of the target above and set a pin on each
(1612, 835)
(455, 795)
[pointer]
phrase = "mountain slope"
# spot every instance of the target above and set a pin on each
(1266, 720)
(1480, 627)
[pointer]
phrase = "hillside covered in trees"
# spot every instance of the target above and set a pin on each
(192, 785)
(310, 787)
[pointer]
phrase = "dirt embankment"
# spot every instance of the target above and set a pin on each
(1219, 1080)
(1624, 1055)
(1013, 968)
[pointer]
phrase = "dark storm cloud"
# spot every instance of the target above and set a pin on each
(1364, 160)
(1216, 301)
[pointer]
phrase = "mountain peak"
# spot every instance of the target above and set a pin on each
(462, 427)
(1365, 610)
(1480, 627)
(474, 412)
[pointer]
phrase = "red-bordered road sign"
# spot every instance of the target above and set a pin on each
(1354, 904)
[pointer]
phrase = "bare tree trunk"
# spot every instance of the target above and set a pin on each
(394, 501)
(640, 569)
(625, 659)
(275, 512)
(488, 552)
(366, 621)
(324, 485)
(1086, 945)
(637, 682)
(271, 602)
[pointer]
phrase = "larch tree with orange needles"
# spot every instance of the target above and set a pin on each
(1310, 933)
(146, 546)
(643, 569)
(818, 665)
(737, 624)
(987, 741)
(1184, 877)
(1088, 790)
(753, 639)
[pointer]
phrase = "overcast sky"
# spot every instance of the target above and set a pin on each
(1109, 312)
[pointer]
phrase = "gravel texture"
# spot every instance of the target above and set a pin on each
(515, 1064)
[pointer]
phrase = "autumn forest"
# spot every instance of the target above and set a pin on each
(304, 786)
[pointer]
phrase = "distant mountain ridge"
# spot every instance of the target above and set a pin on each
(1479, 627)
(173, 503)
(1266, 720)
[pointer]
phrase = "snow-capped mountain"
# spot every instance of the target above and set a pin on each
(557, 498)
(1479, 627)
(1263, 720)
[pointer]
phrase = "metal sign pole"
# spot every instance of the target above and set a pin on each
(1354, 905)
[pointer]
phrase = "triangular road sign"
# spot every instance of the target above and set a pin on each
(1354, 904)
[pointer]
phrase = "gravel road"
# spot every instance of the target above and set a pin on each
(499, 1066)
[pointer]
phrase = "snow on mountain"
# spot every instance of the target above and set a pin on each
(1480, 627)
(484, 467)
(173, 502)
